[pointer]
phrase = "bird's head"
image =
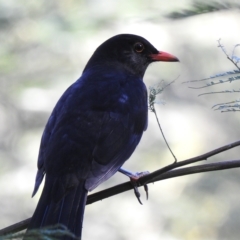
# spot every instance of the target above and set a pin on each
(130, 52)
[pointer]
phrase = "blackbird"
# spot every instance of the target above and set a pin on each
(94, 128)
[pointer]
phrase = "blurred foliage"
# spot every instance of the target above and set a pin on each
(201, 7)
(226, 77)
(50, 233)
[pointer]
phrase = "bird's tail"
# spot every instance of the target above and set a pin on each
(68, 211)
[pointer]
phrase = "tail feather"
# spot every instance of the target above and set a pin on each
(68, 211)
(76, 216)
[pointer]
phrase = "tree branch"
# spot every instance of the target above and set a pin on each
(161, 174)
(146, 179)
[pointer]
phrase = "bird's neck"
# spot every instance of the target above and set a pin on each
(114, 66)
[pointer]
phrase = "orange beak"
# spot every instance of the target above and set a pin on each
(164, 57)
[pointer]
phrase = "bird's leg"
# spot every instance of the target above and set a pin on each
(134, 177)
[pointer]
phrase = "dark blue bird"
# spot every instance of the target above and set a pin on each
(93, 129)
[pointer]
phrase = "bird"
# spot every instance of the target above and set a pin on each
(94, 128)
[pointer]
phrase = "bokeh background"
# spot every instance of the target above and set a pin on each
(44, 46)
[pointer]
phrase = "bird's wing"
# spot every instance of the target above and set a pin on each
(117, 139)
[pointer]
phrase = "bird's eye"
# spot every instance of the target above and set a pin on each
(138, 47)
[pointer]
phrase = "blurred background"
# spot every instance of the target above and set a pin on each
(44, 46)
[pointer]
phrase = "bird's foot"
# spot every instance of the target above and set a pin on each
(136, 191)
(134, 178)
(137, 175)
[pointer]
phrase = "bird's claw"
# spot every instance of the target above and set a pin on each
(146, 190)
(134, 179)
(135, 188)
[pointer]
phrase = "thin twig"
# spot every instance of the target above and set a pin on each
(225, 91)
(230, 110)
(152, 98)
(159, 125)
(216, 83)
(229, 58)
(215, 76)
(219, 104)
